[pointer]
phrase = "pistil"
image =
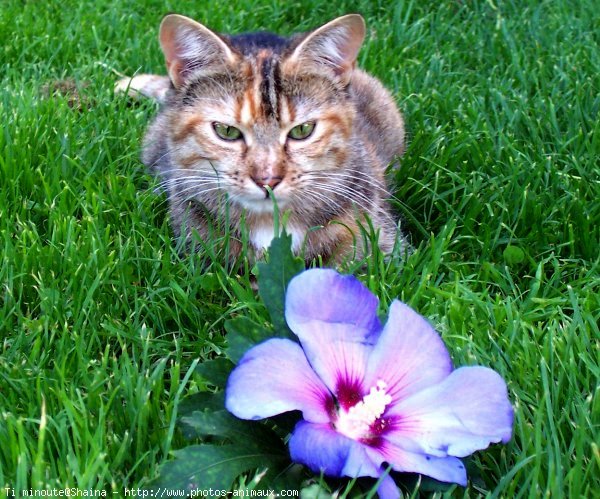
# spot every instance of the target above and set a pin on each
(356, 422)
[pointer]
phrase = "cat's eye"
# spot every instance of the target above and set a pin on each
(227, 132)
(303, 131)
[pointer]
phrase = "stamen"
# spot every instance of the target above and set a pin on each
(358, 419)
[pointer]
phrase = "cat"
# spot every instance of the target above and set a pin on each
(252, 117)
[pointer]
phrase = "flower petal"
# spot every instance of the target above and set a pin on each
(335, 319)
(275, 377)
(409, 355)
(387, 488)
(326, 451)
(445, 469)
(340, 364)
(323, 295)
(464, 413)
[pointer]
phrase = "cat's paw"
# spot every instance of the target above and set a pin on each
(144, 85)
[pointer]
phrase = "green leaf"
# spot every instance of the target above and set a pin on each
(215, 371)
(254, 434)
(273, 278)
(202, 467)
(201, 401)
(243, 334)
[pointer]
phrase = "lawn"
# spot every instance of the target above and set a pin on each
(102, 318)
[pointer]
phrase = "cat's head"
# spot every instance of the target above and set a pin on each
(258, 110)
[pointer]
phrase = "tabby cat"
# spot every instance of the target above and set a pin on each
(250, 117)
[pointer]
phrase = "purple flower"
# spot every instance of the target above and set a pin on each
(370, 395)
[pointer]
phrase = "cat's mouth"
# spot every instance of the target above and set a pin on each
(269, 194)
(262, 203)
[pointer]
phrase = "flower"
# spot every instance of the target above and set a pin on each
(370, 395)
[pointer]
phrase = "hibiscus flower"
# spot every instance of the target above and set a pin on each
(371, 396)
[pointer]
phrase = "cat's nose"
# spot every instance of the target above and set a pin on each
(271, 182)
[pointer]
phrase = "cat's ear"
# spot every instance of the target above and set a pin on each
(333, 46)
(189, 46)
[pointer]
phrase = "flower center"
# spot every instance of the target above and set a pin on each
(358, 420)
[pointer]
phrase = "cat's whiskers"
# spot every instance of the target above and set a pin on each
(353, 176)
(191, 193)
(354, 197)
(175, 183)
(318, 197)
(340, 188)
(199, 175)
(343, 188)
(327, 189)
(381, 187)
(179, 174)
(335, 176)
(195, 185)
(196, 182)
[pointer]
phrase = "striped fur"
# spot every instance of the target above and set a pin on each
(264, 85)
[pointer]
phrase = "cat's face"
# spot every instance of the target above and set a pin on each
(246, 121)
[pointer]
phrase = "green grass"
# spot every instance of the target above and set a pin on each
(101, 320)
